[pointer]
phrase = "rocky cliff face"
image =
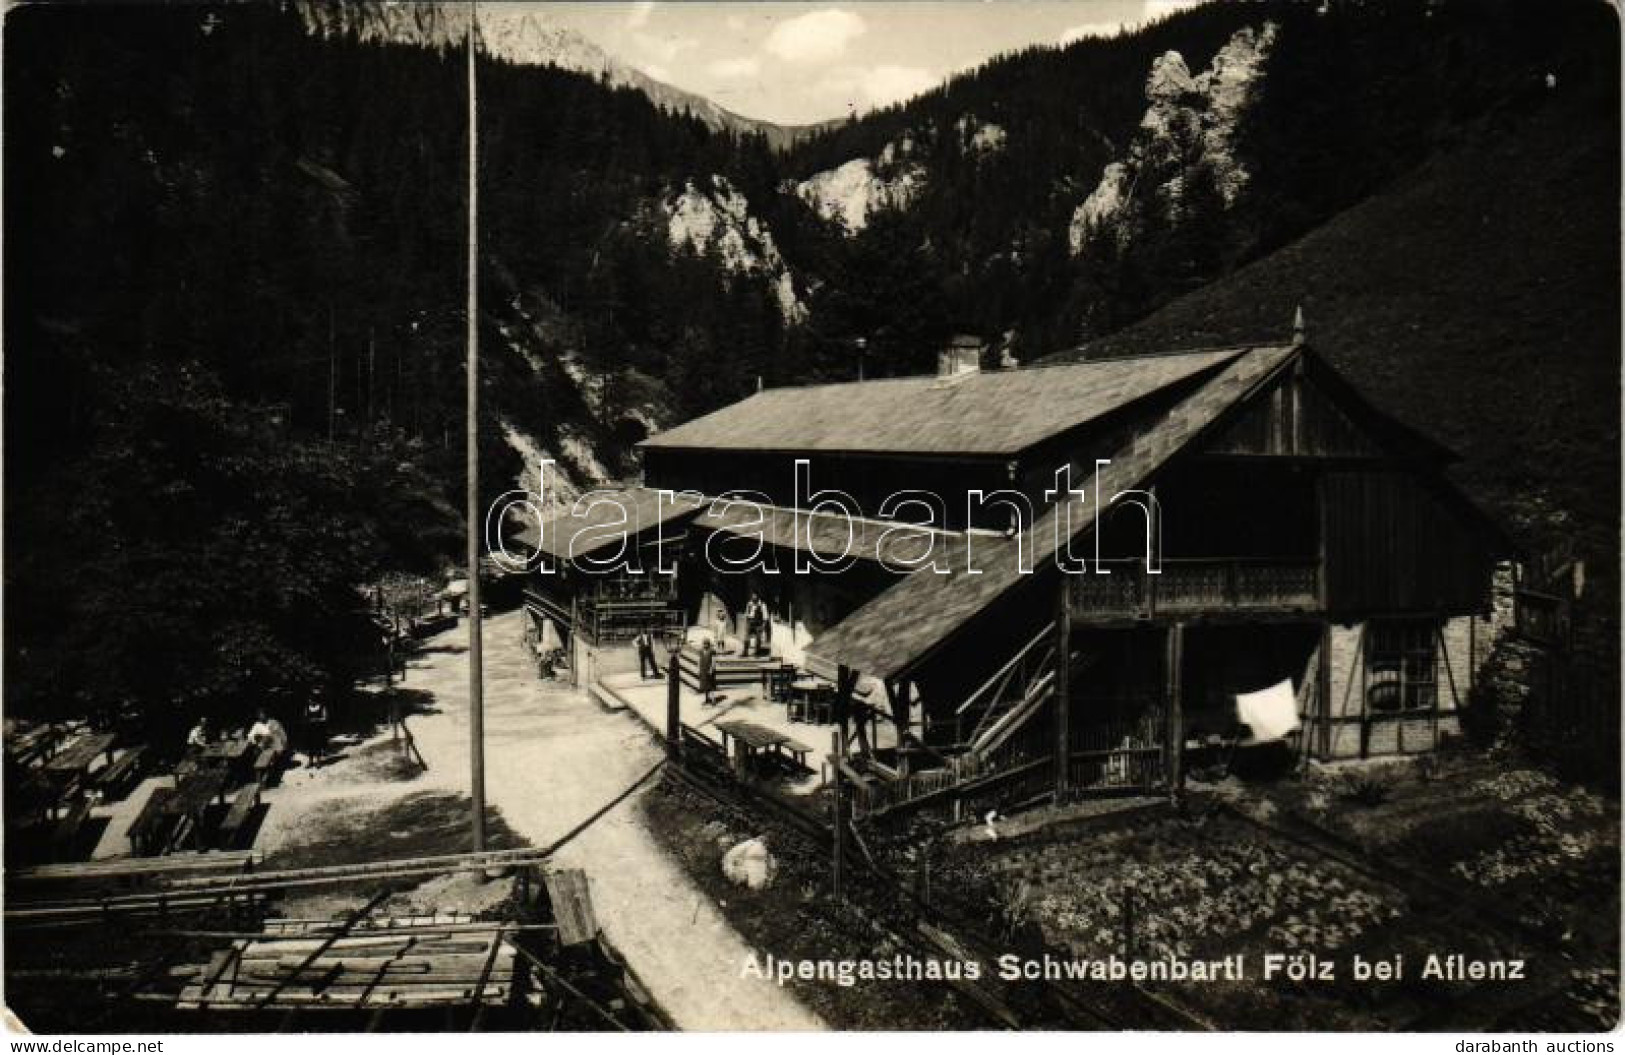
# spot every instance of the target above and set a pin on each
(849, 193)
(710, 215)
(1189, 120)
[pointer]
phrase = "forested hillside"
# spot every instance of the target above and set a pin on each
(234, 277)
(234, 283)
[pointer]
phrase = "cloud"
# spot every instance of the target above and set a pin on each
(735, 69)
(662, 48)
(1072, 34)
(638, 17)
(884, 85)
(1150, 10)
(817, 36)
(862, 88)
(1159, 8)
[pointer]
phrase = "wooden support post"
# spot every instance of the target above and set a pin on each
(1323, 689)
(674, 710)
(897, 700)
(1063, 687)
(837, 759)
(1174, 748)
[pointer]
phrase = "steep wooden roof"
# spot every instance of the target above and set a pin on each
(995, 413)
(906, 623)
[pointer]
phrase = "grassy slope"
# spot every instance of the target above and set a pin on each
(1477, 299)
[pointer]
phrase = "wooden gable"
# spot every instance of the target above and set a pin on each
(1306, 413)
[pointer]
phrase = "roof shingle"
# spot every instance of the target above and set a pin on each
(995, 413)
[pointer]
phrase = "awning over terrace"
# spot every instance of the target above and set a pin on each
(830, 535)
(604, 519)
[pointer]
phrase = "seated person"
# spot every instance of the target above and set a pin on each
(199, 737)
(259, 734)
(267, 732)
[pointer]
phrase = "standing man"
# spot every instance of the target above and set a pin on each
(708, 672)
(647, 666)
(756, 622)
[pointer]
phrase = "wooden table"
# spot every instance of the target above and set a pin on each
(227, 751)
(227, 755)
(69, 768)
(811, 700)
(750, 738)
(34, 744)
(193, 795)
(77, 758)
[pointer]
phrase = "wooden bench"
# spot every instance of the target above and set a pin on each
(241, 807)
(799, 751)
(149, 824)
(56, 881)
(266, 764)
(66, 832)
(115, 781)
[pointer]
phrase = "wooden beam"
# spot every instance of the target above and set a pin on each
(897, 701)
(1323, 689)
(1063, 686)
(674, 710)
(837, 761)
(1173, 749)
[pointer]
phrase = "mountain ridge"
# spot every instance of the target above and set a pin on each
(527, 39)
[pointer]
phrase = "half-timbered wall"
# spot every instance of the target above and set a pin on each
(1348, 725)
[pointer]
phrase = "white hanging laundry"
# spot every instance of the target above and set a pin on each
(1269, 713)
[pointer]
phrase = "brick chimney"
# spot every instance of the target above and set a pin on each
(962, 356)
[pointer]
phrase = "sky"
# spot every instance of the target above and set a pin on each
(795, 63)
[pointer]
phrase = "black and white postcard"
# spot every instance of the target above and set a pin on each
(1070, 515)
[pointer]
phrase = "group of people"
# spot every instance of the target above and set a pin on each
(757, 633)
(758, 627)
(269, 733)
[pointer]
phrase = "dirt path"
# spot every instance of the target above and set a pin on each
(553, 757)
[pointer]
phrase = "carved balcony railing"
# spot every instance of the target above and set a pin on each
(1196, 587)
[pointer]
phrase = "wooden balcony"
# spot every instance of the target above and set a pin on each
(610, 616)
(1196, 588)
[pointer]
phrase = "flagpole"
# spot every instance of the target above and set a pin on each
(476, 693)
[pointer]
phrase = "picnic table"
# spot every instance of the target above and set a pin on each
(227, 751)
(751, 740)
(34, 743)
(185, 803)
(227, 755)
(69, 768)
(76, 759)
